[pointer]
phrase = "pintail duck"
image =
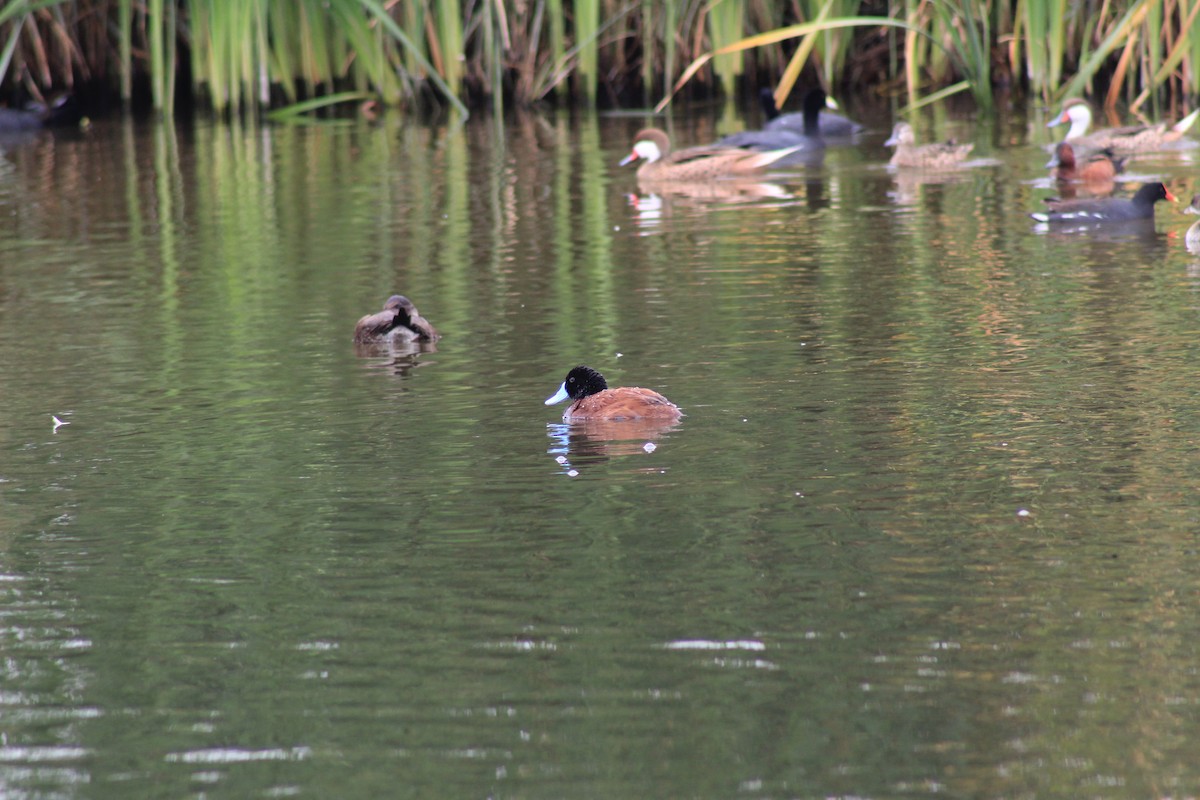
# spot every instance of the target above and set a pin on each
(695, 163)
(829, 124)
(806, 139)
(593, 400)
(1108, 209)
(398, 322)
(940, 155)
(1127, 139)
(1191, 239)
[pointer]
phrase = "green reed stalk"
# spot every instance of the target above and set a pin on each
(831, 46)
(1176, 53)
(1191, 44)
(1117, 36)
(241, 48)
(158, 65)
(396, 33)
(646, 23)
(913, 54)
(791, 73)
(1041, 30)
(587, 25)
(558, 49)
(967, 26)
(670, 23)
(6, 55)
(794, 32)
(450, 40)
(356, 39)
(283, 22)
(171, 57)
(492, 58)
(725, 25)
(125, 49)
(18, 12)
(413, 17)
(314, 45)
(1153, 40)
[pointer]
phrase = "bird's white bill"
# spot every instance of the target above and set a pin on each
(559, 396)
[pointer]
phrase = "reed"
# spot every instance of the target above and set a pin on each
(725, 26)
(587, 26)
(251, 55)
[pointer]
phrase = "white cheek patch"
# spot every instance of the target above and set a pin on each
(647, 150)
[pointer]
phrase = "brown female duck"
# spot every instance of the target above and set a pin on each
(398, 322)
(940, 155)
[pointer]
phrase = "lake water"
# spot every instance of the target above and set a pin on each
(929, 526)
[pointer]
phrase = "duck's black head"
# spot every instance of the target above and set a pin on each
(583, 381)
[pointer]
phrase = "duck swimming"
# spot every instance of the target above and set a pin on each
(63, 111)
(1101, 165)
(1108, 209)
(805, 138)
(829, 124)
(1191, 239)
(398, 322)
(939, 155)
(593, 400)
(695, 163)
(1127, 139)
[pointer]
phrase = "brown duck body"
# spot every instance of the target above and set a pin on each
(624, 402)
(1129, 139)
(708, 162)
(1099, 166)
(398, 322)
(939, 155)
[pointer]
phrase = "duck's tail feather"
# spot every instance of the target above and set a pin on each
(1186, 122)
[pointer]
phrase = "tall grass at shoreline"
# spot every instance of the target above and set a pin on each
(254, 55)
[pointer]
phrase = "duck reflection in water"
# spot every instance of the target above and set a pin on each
(400, 357)
(657, 196)
(577, 444)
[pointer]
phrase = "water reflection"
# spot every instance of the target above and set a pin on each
(594, 441)
(400, 357)
(910, 182)
(239, 535)
(662, 200)
(719, 191)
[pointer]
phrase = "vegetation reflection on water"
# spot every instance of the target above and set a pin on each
(927, 525)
